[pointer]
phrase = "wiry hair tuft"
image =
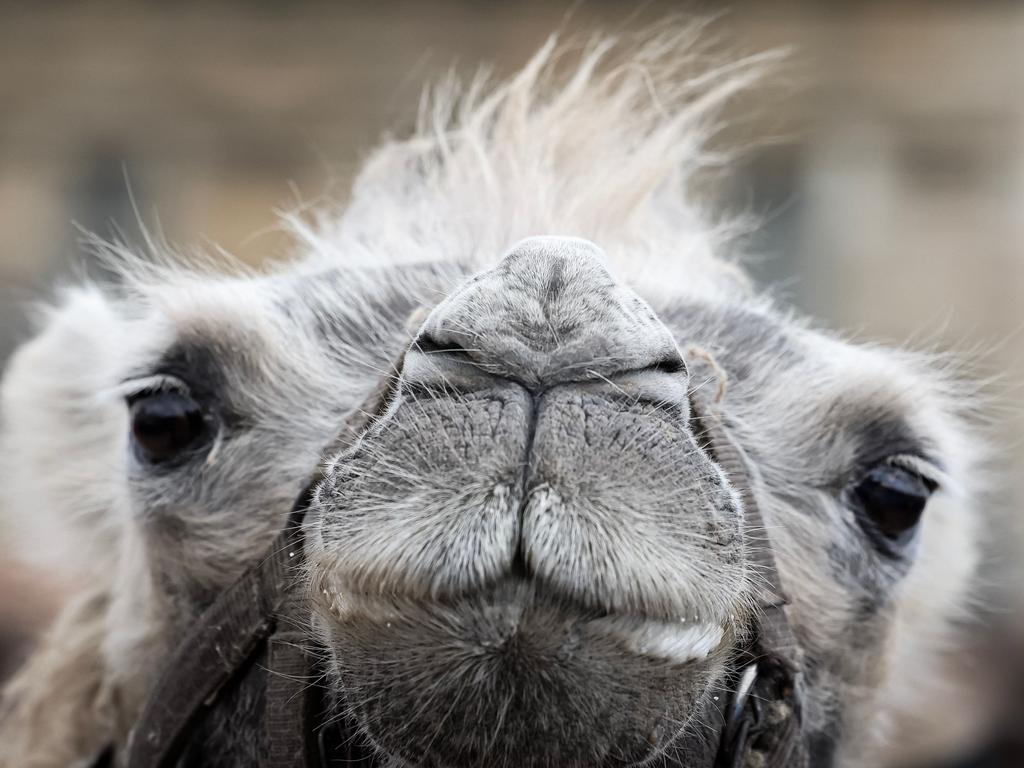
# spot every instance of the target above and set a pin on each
(601, 139)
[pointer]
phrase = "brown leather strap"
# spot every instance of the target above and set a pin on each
(218, 644)
(765, 731)
(288, 711)
(774, 627)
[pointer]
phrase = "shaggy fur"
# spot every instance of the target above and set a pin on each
(599, 144)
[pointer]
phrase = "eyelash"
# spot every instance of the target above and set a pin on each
(132, 390)
(927, 469)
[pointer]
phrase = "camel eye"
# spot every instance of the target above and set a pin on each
(891, 499)
(164, 424)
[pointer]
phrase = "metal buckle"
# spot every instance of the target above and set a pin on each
(741, 718)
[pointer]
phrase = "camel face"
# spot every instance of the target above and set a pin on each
(534, 514)
(530, 557)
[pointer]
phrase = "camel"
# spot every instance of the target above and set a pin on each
(529, 556)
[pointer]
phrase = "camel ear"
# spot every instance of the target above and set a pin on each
(61, 438)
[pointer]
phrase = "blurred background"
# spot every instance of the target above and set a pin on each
(888, 172)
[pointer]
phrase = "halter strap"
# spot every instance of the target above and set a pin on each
(216, 646)
(762, 721)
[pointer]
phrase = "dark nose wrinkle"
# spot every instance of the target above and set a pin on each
(520, 567)
(550, 313)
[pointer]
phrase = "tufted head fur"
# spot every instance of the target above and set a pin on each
(529, 559)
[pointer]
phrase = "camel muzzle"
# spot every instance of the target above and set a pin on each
(507, 350)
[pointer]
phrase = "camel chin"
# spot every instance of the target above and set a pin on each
(513, 674)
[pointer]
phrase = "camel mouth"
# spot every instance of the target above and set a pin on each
(501, 578)
(679, 643)
(515, 675)
(683, 640)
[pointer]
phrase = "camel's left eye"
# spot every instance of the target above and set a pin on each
(891, 499)
(165, 424)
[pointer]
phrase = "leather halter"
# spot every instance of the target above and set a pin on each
(753, 721)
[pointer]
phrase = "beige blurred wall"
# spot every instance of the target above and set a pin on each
(892, 186)
(890, 178)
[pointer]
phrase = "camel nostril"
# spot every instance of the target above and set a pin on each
(672, 365)
(427, 344)
(444, 353)
(440, 367)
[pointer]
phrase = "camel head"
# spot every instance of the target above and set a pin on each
(529, 556)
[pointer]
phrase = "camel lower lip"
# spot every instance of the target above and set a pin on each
(522, 670)
(681, 641)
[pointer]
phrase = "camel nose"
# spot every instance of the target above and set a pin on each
(550, 313)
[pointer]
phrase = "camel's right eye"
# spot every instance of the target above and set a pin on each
(165, 423)
(891, 500)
